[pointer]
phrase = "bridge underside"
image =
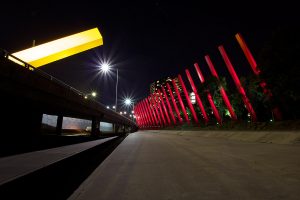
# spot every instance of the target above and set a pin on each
(26, 95)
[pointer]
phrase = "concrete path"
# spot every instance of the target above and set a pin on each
(12, 167)
(164, 166)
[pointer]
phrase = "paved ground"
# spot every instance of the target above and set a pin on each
(164, 166)
(12, 167)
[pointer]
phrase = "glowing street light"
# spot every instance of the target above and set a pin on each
(93, 94)
(128, 102)
(105, 67)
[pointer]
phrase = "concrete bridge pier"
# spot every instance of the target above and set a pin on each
(31, 122)
(95, 126)
(116, 128)
(59, 124)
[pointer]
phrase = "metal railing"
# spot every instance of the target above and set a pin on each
(40, 72)
(7, 55)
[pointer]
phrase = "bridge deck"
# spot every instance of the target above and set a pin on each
(163, 166)
(12, 167)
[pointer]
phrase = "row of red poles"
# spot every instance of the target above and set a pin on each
(156, 110)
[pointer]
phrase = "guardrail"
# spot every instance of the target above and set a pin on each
(40, 72)
(7, 55)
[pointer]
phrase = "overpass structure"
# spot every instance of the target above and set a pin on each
(27, 93)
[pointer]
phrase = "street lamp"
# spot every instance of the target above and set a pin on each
(106, 68)
(128, 102)
(93, 94)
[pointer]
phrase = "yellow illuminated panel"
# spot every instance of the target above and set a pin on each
(58, 49)
(16, 61)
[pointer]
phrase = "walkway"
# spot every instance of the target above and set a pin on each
(164, 166)
(12, 167)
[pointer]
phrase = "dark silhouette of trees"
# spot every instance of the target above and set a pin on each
(280, 65)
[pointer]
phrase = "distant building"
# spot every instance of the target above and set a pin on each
(155, 86)
(193, 97)
(163, 83)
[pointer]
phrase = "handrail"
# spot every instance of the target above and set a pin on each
(6, 55)
(40, 72)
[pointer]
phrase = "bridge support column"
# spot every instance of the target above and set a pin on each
(116, 128)
(95, 126)
(59, 124)
(33, 122)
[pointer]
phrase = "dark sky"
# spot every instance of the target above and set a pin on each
(145, 40)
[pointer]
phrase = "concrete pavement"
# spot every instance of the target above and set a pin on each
(148, 165)
(12, 167)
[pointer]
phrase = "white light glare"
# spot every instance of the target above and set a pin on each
(105, 67)
(128, 101)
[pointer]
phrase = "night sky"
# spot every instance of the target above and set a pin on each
(145, 40)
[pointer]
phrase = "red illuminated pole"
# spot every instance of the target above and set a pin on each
(180, 102)
(142, 116)
(152, 100)
(136, 115)
(139, 115)
(169, 105)
(154, 111)
(209, 96)
(164, 106)
(237, 83)
(157, 101)
(247, 53)
(174, 103)
(148, 121)
(222, 90)
(188, 99)
(148, 112)
(139, 118)
(199, 102)
(198, 99)
(256, 70)
(151, 109)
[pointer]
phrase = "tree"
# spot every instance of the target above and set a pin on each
(280, 65)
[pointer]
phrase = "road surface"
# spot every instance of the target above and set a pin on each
(164, 166)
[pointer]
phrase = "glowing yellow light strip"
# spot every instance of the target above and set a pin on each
(58, 49)
(16, 61)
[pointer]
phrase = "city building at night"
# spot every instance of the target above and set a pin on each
(155, 86)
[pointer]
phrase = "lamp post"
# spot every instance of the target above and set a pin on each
(106, 68)
(117, 90)
(128, 103)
